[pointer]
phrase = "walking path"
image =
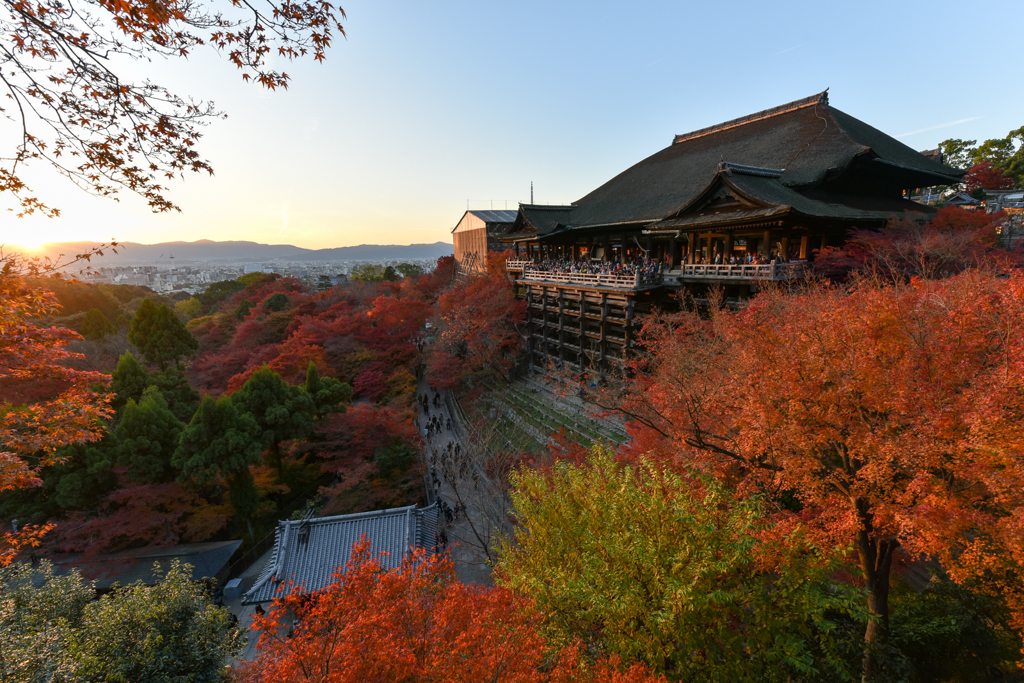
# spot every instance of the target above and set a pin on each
(463, 543)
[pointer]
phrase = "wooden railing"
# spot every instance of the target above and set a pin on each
(635, 281)
(516, 264)
(742, 271)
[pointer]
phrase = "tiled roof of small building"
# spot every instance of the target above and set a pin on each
(308, 552)
(495, 215)
(131, 566)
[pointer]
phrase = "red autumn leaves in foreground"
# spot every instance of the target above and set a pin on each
(413, 623)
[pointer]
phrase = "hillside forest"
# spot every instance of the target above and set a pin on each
(823, 484)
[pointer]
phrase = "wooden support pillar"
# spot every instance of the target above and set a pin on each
(561, 323)
(672, 252)
(691, 242)
(650, 247)
(628, 329)
(728, 248)
(608, 247)
(604, 326)
(766, 243)
(824, 241)
(803, 246)
(529, 322)
(784, 256)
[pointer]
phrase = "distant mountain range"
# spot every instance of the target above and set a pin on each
(133, 253)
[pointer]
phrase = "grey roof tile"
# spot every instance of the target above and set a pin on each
(307, 553)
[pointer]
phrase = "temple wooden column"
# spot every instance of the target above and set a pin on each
(583, 324)
(766, 243)
(784, 256)
(692, 247)
(604, 326)
(608, 247)
(650, 247)
(803, 246)
(561, 322)
(728, 248)
(672, 252)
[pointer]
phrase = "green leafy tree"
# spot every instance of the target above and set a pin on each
(168, 632)
(647, 566)
(40, 616)
(85, 476)
(369, 272)
(397, 456)
(160, 335)
(409, 270)
(329, 395)
(243, 309)
(1006, 154)
(97, 325)
(221, 441)
(147, 437)
(281, 412)
(130, 379)
(219, 291)
(276, 302)
(52, 629)
(189, 308)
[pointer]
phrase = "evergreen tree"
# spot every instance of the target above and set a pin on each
(328, 394)
(147, 437)
(130, 379)
(221, 441)
(160, 335)
(97, 325)
(181, 398)
(281, 412)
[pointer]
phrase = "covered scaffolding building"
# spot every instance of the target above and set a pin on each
(732, 206)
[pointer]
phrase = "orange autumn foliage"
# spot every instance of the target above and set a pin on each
(416, 623)
(44, 403)
(891, 413)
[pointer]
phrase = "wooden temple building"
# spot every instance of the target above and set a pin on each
(733, 205)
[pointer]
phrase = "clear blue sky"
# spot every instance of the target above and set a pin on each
(426, 105)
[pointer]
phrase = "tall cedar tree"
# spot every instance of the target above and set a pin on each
(222, 442)
(890, 415)
(161, 337)
(147, 436)
(281, 412)
(103, 131)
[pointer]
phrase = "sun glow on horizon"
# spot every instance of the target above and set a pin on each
(28, 245)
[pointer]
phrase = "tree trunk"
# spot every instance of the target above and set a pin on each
(875, 555)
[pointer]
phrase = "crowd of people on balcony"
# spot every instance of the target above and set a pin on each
(645, 267)
(747, 259)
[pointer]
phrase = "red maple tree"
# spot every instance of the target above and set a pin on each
(889, 413)
(985, 176)
(416, 623)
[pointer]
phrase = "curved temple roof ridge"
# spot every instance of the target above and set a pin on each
(730, 168)
(820, 98)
